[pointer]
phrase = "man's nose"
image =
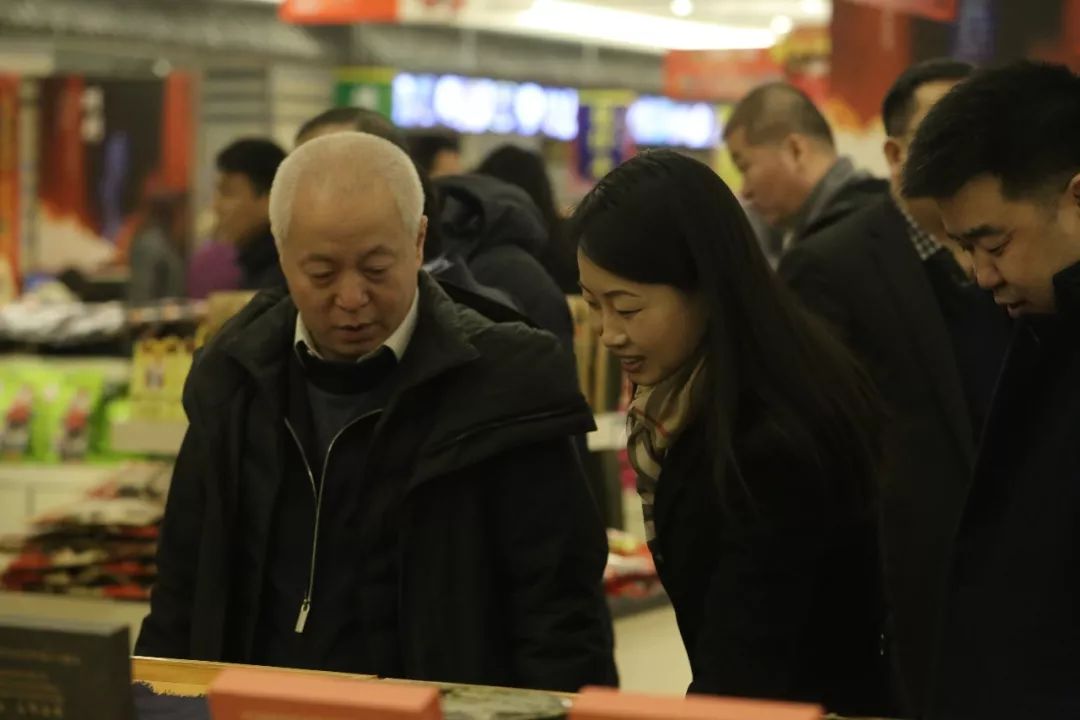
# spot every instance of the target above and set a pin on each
(352, 294)
(986, 272)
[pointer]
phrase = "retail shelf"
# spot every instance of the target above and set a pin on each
(148, 437)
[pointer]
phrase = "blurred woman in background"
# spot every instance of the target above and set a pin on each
(754, 436)
(159, 247)
(527, 170)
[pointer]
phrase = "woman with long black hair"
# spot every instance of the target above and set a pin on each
(755, 437)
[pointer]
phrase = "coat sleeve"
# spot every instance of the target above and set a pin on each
(553, 550)
(166, 631)
(810, 276)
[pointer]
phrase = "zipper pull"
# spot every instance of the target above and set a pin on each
(301, 620)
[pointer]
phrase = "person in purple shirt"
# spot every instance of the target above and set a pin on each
(213, 268)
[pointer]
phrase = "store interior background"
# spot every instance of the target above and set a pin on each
(101, 98)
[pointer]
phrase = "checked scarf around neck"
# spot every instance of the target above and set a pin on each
(658, 415)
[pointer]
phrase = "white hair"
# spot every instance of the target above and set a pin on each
(346, 163)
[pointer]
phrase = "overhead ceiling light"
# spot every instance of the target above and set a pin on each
(781, 25)
(682, 8)
(815, 8)
(636, 29)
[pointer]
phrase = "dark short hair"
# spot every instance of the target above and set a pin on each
(361, 119)
(771, 112)
(426, 147)
(1017, 123)
(257, 159)
(899, 106)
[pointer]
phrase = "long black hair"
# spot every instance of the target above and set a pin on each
(666, 219)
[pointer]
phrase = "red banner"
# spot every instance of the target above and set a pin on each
(338, 12)
(940, 10)
(717, 75)
(9, 175)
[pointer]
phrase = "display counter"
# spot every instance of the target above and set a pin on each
(177, 689)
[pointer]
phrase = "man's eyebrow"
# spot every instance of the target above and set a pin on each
(977, 233)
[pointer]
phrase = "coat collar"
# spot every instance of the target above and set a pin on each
(263, 337)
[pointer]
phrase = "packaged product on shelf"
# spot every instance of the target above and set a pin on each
(72, 407)
(102, 546)
(160, 367)
(18, 413)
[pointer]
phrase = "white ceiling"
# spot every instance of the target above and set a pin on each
(649, 25)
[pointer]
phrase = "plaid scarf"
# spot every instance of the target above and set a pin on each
(657, 417)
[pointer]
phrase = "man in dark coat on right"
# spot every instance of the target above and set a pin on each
(1001, 155)
(934, 342)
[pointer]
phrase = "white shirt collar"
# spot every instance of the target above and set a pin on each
(398, 342)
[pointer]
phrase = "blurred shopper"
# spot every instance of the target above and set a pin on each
(527, 170)
(452, 272)
(241, 204)
(500, 233)
(758, 487)
(157, 250)
(1001, 155)
(437, 154)
(377, 479)
(792, 177)
(213, 268)
(934, 343)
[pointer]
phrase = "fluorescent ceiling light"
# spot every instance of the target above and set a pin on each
(623, 27)
(682, 8)
(781, 25)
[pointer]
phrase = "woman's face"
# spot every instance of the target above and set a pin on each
(652, 329)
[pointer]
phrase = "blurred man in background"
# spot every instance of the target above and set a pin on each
(1001, 155)
(438, 155)
(934, 343)
(246, 171)
(792, 176)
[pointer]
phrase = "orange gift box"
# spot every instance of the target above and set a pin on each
(605, 704)
(267, 695)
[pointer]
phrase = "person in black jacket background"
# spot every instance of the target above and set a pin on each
(758, 486)
(792, 177)
(1001, 155)
(377, 479)
(934, 343)
(499, 232)
(527, 170)
(246, 170)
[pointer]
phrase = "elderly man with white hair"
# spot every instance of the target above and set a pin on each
(375, 478)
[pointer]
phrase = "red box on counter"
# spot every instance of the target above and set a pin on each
(606, 704)
(242, 694)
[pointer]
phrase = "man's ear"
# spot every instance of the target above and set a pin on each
(795, 147)
(1074, 190)
(894, 155)
(421, 238)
